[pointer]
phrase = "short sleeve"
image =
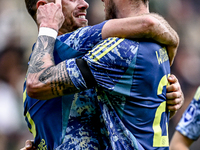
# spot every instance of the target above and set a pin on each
(112, 64)
(189, 124)
(109, 65)
(75, 74)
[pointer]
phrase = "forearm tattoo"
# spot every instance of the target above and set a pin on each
(43, 48)
(42, 64)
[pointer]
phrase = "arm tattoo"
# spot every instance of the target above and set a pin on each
(42, 63)
(60, 81)
(43, 47)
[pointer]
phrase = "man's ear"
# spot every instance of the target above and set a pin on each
(41, 2)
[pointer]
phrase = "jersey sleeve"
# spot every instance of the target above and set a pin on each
(189, 124)
(112, 64)
(84, 38)
(109, 65)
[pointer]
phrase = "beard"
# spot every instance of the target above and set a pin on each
(70, 25)
(111, 10)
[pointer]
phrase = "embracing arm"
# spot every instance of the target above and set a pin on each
(44, 79)
(144, 26)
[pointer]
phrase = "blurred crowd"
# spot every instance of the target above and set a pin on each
(19, 32)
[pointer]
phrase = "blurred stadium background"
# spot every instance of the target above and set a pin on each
(19, 32)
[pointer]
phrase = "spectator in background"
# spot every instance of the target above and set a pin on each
(11, 72)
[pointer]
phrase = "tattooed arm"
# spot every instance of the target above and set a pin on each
(44, 79)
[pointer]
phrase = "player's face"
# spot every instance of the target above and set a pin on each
(110, 9)
(75, 14)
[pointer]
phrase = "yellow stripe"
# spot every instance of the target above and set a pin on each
(197, 94)
(33, 129)
(108, 50)
(102, 45)
(24, 96)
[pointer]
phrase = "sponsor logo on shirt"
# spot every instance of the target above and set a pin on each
(189, 115)
(42, 145)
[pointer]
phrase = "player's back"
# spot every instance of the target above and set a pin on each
(132, 80)
(144, 112)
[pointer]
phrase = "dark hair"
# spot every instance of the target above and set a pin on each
(145, 1)
(31, 7)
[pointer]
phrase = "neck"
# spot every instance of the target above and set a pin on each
(130, 9)
(60, 33)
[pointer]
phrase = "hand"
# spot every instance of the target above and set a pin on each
(50, 14)
(29, 146)
(175, 97)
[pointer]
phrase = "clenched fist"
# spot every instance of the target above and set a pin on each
(50, 15)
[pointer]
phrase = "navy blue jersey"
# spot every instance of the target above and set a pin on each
(132, 79)
(73, 119)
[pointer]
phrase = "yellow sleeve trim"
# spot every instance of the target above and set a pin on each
(32, 129)
(197, 94)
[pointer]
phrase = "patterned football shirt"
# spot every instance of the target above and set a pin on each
(189, 124)
(131, 91)
(72, 119)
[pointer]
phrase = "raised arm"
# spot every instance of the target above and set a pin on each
(44, 79)
(145, 26)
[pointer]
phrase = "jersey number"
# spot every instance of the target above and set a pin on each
(158, 139)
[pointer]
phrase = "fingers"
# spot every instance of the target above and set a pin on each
(50, 15)
(174, 107)
(175, 100)
(175, 97)
(28, 145)
(175, 103)
(58, 2)
(174, 84)
(172, 79)
(173, 88)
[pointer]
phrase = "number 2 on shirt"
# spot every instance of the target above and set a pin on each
(158, 139)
